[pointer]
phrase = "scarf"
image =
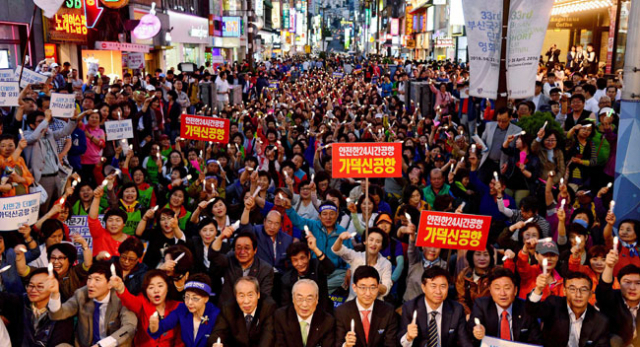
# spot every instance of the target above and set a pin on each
(129, 208)
(633, 251)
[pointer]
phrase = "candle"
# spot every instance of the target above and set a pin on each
(615, 243)
(113, 270)
(256, 192)
(477, 321)
(545, 265)
(505, 258)
(22, 249)
(545, 124)
(546, 239)
(179, 257)
(523, 132)
(564, 201)
(612, 204)
(306, 230)
(495, 176)
(235, 225)
(74, 183)
(50, 268)
(353, 326)
(105, 183)
(107, 255)
(561, 181)
(353, 234)
(218, 342)
(155, 314)
(21, 133)
(609, 185)
(408, 217)
(415, 317)
(578, 241)
(528, 220)
(5, 268)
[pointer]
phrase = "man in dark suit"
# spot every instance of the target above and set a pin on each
(366, 321)
(569, 321)
(503, 315)
(620, 306)
(248, 321)
(303, 323)
(432, 320)
(239, 263)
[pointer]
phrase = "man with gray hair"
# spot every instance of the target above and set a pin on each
(304, 323)
(248, 321)
(437, 187)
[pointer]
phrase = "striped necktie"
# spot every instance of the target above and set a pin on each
(433, 330)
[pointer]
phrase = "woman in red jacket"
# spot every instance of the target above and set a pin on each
(153, 298)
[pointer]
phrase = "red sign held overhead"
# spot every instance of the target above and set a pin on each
(204, 128)
(453, 231)
(361, 160)
(93, 12)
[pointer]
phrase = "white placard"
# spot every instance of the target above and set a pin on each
(7, 75)
(135, 60)
(118, 130)
(9, 93)
(29, 77)
(18, 210)
(489, 341)
(528, 23)
(62, 105)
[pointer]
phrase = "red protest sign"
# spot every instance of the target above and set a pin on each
(454, 231)
(361, 160)
(204, 128)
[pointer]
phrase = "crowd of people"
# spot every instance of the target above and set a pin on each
(254, 243)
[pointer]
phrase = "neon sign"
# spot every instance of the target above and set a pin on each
(93, 12)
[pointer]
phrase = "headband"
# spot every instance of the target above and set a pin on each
(211, 161)
(581, 222)
(210, 177)
(328, 207)
(198, 285)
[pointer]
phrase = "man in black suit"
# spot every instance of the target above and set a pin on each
(303, 266)
(247, 322)
(569, 321)
(620, 306)
(366, 321)
(503, 315)
(243, 261)
(432, 320)
(303, 323)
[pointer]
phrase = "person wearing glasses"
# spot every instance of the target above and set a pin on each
(620, 305)
(246, 321)
(28, 318)
(63, 256)
(153, 298)
(196, 316)
(569, 321)
(366, 321)
(303, 323)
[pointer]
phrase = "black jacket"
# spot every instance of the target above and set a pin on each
(231, 269)
(232, 330)
(287, 328)
(554, 314)
(612, 304)
(317, 271)
(524, 327)
(383, 325)
(453, 330)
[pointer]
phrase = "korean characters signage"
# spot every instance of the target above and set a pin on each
(69, 24)
(204, 128)
(453, 231)
(362, 160)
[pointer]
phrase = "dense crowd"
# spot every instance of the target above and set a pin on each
(254, 243)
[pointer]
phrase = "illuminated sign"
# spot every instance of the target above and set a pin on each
(68, 24)
(115, 4)
(199, 32)
(93, 12)
(230, 26)
(395, 26)
(148, 27)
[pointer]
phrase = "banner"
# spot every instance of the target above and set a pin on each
(361, 160)
(453, 231)
(79, 225)
(489, 341)
(135, 60)
(29, 77)
(9, 93)
(62, 105)
(119, 129)
(338, 75)
(7, 75)
(483, 21)
(528, 22)
(204, 128)
(18, 210)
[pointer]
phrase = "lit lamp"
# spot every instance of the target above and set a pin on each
(149, 25)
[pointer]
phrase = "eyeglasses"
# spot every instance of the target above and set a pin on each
(582, 290)
(57, 259)
(129, 259)
(39, 289)
(550, 140)
(301, 299)
(370, 289)
(193, 298)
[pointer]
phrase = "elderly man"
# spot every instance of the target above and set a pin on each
(247, 321)
(437, 187)
(493, 158)
(303, 323)
(272, 241)
(326, 231)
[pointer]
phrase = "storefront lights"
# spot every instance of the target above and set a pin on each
(565, 7)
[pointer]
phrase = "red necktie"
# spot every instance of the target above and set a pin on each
(365, 324)
(505, 331)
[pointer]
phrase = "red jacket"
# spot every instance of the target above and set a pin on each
(529, 274)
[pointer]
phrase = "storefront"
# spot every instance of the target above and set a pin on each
(230, 40)
(65, 32)
(14, 25)
(189, 38)
(144, 34)
(108, 55)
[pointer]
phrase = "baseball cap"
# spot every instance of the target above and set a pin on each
(53, 65)
(547, 247)
(285, 191)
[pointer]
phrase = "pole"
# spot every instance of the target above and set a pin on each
(366, 222)
(251, 34)
(502, 78)
(26, 46)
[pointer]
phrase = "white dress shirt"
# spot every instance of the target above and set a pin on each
(576, 327)
(357, 259)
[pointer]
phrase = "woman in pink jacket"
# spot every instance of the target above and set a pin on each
(444, 100)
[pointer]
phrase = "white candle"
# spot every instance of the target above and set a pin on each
(218, 342)
(353, 326)
(155, 314)
(179, 257)
(505, 258)
(105, 183)
(564, 201)
(256, 192)
(523, 132)
(22, 249)
(612, 204)
(113, 270)
(74, 183)
(415, 317)
(50, 268)
(107, 255)
(561, 181)
(528, 220)
(578, 241)
(235, 225)
(477, 321)
(545, 124)
(615, 243)
(546, 239)
(551, 174)
(62, 201)
(5, 268)
(21, 133)
(408, 217)
(353, 234)
(609, 185)
(155, 208)
(495, 176)
(306, 230)
(545, 265)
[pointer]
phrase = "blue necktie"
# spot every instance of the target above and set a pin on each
(96, 322)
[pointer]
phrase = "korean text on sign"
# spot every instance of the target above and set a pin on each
(373, 160)
(204, 128)
(453, 231)
(17, 210)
